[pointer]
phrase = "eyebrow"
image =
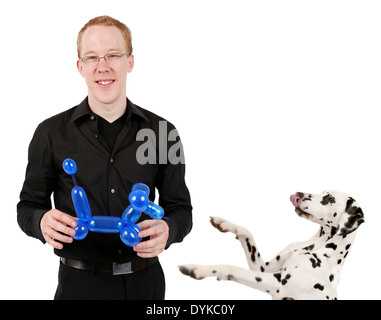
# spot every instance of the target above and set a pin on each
(91, 52)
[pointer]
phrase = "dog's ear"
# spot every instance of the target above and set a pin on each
(351, 218)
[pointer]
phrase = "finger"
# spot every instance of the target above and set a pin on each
(146, 224)
(55, 235)
(65, 219)
(59, 226)
(150, 252)
(51, 241)
(147, 246)
(151, 227)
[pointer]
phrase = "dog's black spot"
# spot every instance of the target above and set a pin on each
(277, 258)
(214, 271)
(333, 231)
(316, 262)
(253, 256)
(258, 279)
(348, 246)
(262, 269)
(328, 199)
(322, 232)
(339, 261)
(335, 214)
(288, 298)
(284, 280)
(331, 277)
(230, 277)
(331, 246)
(248, 244)
(309, 247)
(278, 276)
(355, 216)
(319, 286)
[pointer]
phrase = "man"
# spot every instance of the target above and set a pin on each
(100, 134)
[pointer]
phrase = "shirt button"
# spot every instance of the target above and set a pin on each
(92, 117)
(112, 190)
(95, 136)
(111, 160)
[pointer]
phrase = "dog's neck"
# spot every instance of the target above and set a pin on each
(334, 244)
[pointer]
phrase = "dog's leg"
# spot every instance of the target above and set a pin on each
(253, 256)
(265, 282)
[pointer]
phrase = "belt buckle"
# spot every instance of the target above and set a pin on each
(121, 268)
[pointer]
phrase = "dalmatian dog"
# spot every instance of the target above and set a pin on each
(304, 270)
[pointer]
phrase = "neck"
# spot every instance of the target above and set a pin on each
(108, 111)
(335, 244)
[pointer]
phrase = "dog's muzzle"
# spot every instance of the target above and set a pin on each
(295, 199)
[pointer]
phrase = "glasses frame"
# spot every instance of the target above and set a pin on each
(104, 57)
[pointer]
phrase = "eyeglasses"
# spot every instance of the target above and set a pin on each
(109, 58)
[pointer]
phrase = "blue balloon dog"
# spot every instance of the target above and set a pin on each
(126, 225)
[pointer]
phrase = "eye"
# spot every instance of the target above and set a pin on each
(113, 56)
(90, 59)
(331, 199)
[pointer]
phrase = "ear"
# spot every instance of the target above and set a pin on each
(131, 63)
(351, 218)
(80, 67)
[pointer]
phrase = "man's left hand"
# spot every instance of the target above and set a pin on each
(158, 231)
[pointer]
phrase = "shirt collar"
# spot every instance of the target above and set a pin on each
(84, 109)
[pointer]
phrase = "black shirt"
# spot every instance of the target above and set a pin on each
(110, 131)
(106, 173)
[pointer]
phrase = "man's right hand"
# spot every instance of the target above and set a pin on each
(57, 225)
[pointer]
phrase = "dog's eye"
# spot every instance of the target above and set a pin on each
(331, 199)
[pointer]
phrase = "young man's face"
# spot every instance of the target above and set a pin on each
(106, 82)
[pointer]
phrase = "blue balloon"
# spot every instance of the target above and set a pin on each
(69, 166)
(129, 235)
(81, 230)
(130, 215)
(154, 211)
(81, 203)
(142, 187)
(139, 200)
(105, 224)
(126, 225)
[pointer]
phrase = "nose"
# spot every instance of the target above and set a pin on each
(102, 64)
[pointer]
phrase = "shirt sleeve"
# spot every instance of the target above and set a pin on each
(38, 185)
(174, 195)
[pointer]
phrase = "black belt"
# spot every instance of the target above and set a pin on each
(115, 268)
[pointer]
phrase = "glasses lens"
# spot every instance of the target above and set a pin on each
(90, 60)
(112, 57)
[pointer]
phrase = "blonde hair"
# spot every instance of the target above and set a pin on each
(106, 21)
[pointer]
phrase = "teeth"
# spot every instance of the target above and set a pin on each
(104, 82)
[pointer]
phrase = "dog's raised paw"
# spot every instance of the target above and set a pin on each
(190, 270)
(218, 222)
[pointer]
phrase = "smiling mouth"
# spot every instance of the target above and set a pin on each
(303, 214)
(105, 83)
(295, 199)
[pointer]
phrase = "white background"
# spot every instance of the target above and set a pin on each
(269, 98)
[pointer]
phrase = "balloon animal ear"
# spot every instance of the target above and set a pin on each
(351, 218)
